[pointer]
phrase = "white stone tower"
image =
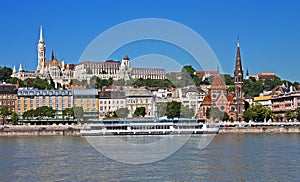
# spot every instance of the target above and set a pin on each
(125, 70)
(41, 53)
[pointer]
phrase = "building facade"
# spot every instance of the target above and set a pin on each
(219, 97)
(285, 102)
(110, 101)
(29, 98)
(8, 96)
(140, 97)
(88, 100)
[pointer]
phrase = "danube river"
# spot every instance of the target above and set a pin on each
(229, 157)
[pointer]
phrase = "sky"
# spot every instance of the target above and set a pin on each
(268, 31)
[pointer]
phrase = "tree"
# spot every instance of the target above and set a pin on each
(140, 111)
(161, 109)
(225, 116)
(173, 109)
(276, 117)
(78, 113)
(253, 87)
(297, 111)
(214, 113)
(121, 112)
(290, 115)
(229, 80)
(14, 117)
(68, 112)
(257, 113)
(4, 112)
(186, 112)
(5, 73)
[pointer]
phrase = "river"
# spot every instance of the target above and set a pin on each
(229, 157)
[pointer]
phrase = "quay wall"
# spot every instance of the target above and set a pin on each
(75, 130)
(40, 131)
(260, 129)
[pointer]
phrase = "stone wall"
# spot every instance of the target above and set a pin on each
(40, 131)
(261, 129)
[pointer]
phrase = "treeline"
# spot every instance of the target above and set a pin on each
(252, 87)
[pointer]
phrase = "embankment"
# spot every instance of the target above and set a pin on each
(261, 129)
(40, 131)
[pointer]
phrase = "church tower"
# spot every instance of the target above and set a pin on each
(41, 53)
(238, 85)
(125, 70)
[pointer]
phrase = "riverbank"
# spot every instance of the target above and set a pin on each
(42, 130)
(260, 129)
(74, 130)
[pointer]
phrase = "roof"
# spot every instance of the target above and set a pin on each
(202, 73)
(95, 62)
(207, 99)
(218, 83)
(150, 69)
(111, 95)
(262, 98)
(8, 88)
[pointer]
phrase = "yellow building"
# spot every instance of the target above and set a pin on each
(29, 99)
(88, 100)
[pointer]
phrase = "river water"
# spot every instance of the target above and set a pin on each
(229, 157)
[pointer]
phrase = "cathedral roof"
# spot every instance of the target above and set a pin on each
(218, 83)
(207, 99)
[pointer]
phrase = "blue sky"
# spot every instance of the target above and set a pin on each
(268, 30)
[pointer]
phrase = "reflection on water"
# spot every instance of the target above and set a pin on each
(240, 157)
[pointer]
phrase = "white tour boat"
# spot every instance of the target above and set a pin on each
(149, 127)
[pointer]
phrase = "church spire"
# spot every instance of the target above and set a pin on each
(238, 85)
(41, 34)
(238, 63)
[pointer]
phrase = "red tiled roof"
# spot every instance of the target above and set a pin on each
(218, 83)
(207, 99)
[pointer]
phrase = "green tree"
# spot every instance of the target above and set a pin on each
(5, 73)
(4, 112)
(225, 116)
(298, 114)
(257, 113)
(140, 111)
(173, 109)
(78, 113)
(186, 112)
(228, 79)
(214, 113)
(14, 117)
(68, 112)
(253, 87)
(161, 109)
(290, 115)
(122, 112)
(276, 117)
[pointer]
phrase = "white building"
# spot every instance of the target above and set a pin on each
(110, 101)
(59, 72)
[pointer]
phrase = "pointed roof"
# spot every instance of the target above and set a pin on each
(126, 57)
(218, 83)
(238, 63)
(53, 57)
(20, 68)
(41, 34)
(14, 69)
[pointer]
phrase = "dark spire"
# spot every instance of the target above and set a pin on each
(238, 63)
(52, 55)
